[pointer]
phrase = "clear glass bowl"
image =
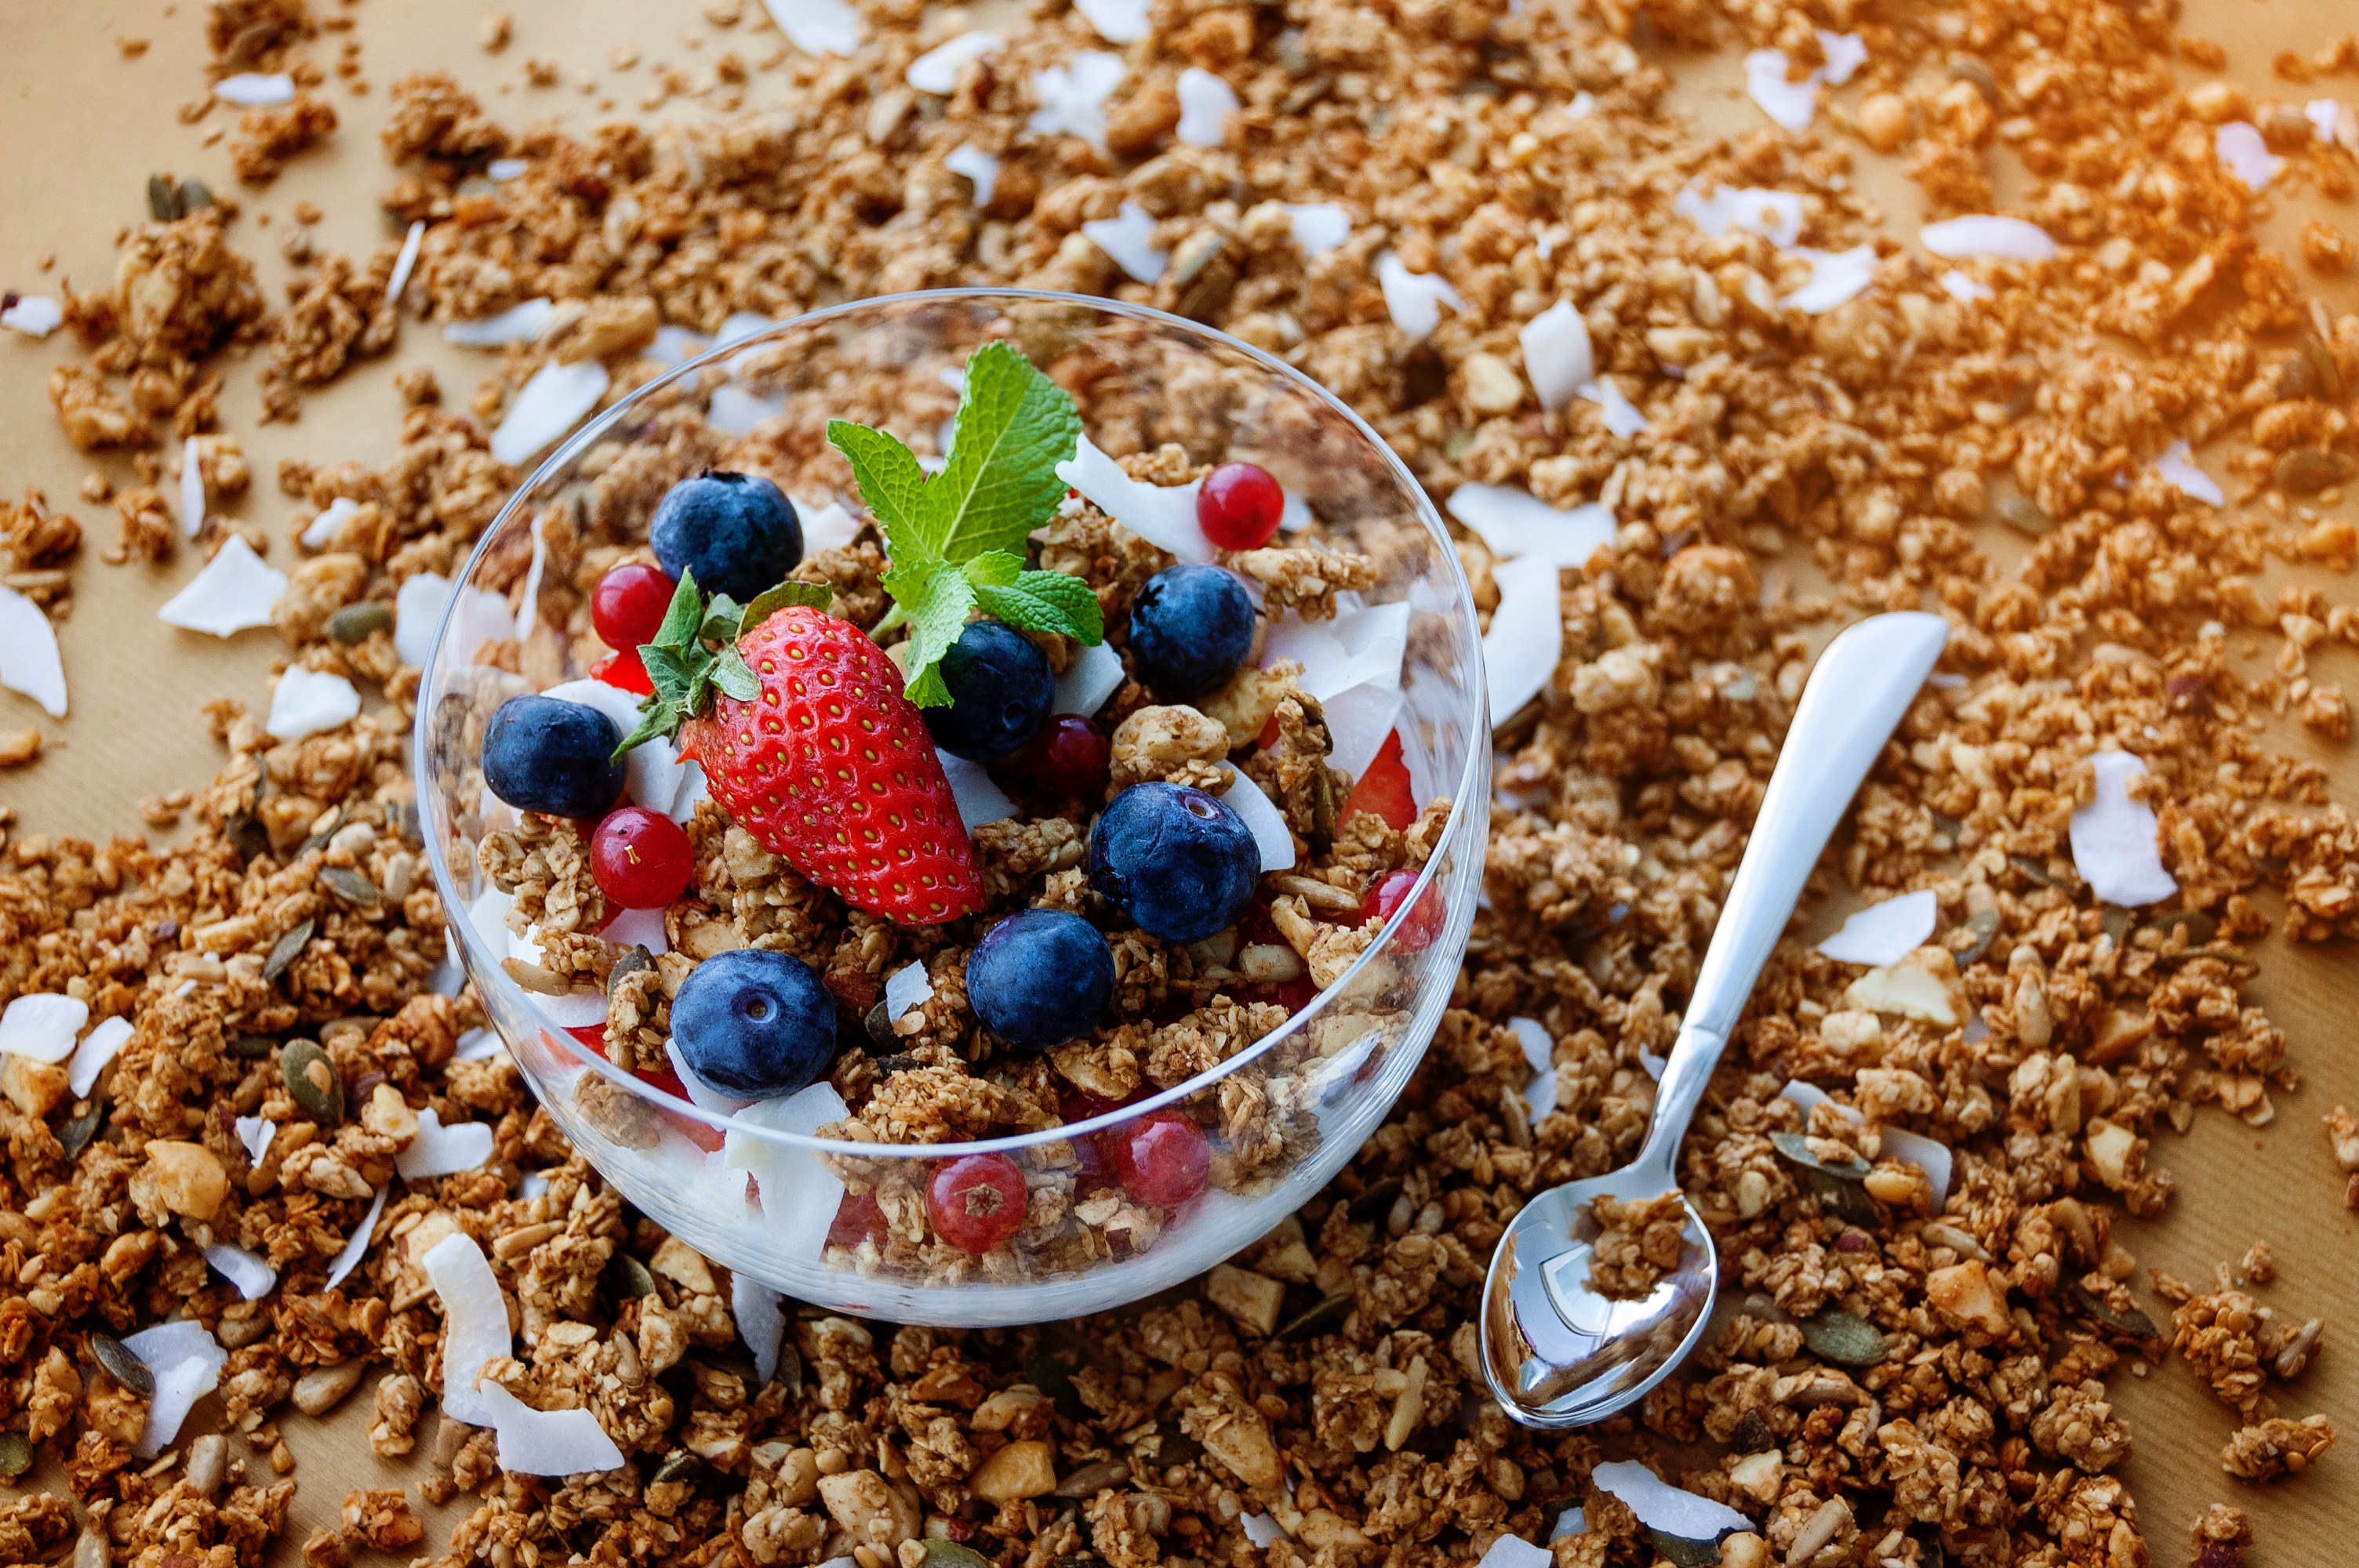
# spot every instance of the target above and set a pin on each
(1282, 1115)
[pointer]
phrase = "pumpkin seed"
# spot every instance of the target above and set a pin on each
(2032, 868)
(1376, 1199)
(1844, 1338)
(1177, 1448)
(628, 1279)
(2020, 514)
(122, 1365)
(1055, 1380)
(1796, 1148)
(2115, 921)
(193, 194)
(880, 1030)
(401, 820)
(2306, 470)
(163, 200)
(251, 1047)
(888, 1065)
(1984, 924)
(283, 951)
(312, 1082)
(1457, 444)
(1752, 1434)
(2133, 1324)
(1331, 1311)
(940, 1553)
(679, 1465)
(15, 1455)
(354, 623)
(1685, 1553)
(251, 838)
(350, 886)
(790, 1369)
(2200, 928)
(78, 1128)
(631, 963)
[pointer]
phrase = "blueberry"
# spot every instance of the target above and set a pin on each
(755, 1024)
(1190, 627)
(545, 754)
(1039, 977)
(1179, 863)
(736, 532)
(1000, 692)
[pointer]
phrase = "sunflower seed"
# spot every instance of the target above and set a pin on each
(354, 623)
(122, 1365)
(2305, 470)
(283, 951)
(2025, 516)
(1091, 1479)
(1844, 1338)
(350, 886)
(312, 1082)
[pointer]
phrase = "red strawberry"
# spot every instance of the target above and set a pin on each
(832, 768)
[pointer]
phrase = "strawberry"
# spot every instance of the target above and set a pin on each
(829, 766)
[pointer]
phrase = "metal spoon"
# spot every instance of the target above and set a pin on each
(1556, 1353)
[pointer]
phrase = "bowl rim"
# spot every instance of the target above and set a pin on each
(1473, 792)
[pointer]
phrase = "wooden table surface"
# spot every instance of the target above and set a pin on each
(83, 127)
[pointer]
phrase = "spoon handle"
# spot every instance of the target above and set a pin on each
(1858, 691)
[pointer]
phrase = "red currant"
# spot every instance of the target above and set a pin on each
(976, 1201)
(628, 604)
(622, 668)
(857, 1219)
(1424, 922)
(1239, 507)
(641, 859)
(1068, 755)
(1162, 1158)
(1384, 789)
(1294, 995)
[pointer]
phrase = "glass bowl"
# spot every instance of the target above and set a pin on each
(1281, 1116)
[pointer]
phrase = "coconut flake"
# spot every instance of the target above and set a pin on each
(253, 1135)
(474, 1323)
(1788, 103)
(2244, 152)
(1622, 416)
(817, 26)
(826, 525)
(254, 90)
(417, 607)
(551, 403)
(1413, 298)
(405, 263)
(1358, 720)
(674, 345)
(479, 1044)
(34, 315)
(638, 928)
(579, 1009)
(979, 799)
(547, 1443)
(41, 1027)
(693, 788)
(740, 325)
(1885, 932)
(321, 531)
(2177, 466)
(356, 1245)
(1527, 636)
(1515, 523)
(1683, 1516)
(1262, 819)
(503, 170)
(1072, 96)
(656, 772)
(1116, 21)
(1514, 1551)
(1775, 214)
(527, 611)
(1128, 240)
(2321, 113)
(518, 324)
(1096, 674)
(1965, 289)
(1845, 52)
(1163, 515)
(29, 662)
(308, 702)
(187, 1363)
(905, 987)
(1984, 235)
(937, 69)
(1557, 355)
(97, 1049)
(1318, 226)
(737, 410)
(1539, 1050)
(1261, 1530)
(234, 591)
(799, 1195)
(2114, 837)
(1295, 515)
(1836, 279)
(192, 489)
(439, 1150)
(1569, 1522)
(978, 166)
(249, 1271)
(1374, 641)
(1205, 105)
(760, 1323)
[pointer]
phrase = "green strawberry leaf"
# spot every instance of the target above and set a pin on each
(733, 675)
(890, 481)
(682, 616)
(809, 595)
(937, 596)
(1014, 426)
(1046, 601)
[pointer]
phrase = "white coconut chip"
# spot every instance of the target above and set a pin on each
(1790, 103)
(2244, 152)
(1261, 1530)
(1527, 636)
(1318, 226)
(574, 1010)
(1514, 1551)
(978, 166)
(1128, 239)
(905, 987)
(737, 411)
(2177, 466)
(2321, 113)
(234, 593)
(186, 1363)
(1374, 641)
(356, 1245)
(760, 1323)
(1262, 819)
(799, 1195)
(34, 315)
(1414, 300)
(554, 401)
(1539, 1050)
(1557, 354)
(1163, 515)
(1837, 277)
(656, 772)
(979, 799)
(249, 1271)
(1572, 1522)
(1660, 1506)
(1516, 523)
(29, 662)
(253, 1135)
(527, 609)
(1358, 720)
(41, 1027)
(306, 702)
(937, 69)
(817, 26)
(1885, 932)
(321, 530)
(1096, 674)
(2114, 837)
(1984, 235)
(474, 1323)
(503, 170)
(254, 90)
(478, 1045)
(547, 1443)
(1072, 96)
(693, 788)
(1295, 515)
(826, 524)
(1623, 418)
(192, 489)
(1965, 289)
(674, 345)
(439, 1151)
(1775, 214)
(1205, 105)
(1116, 21)
(405, 262)
(417, 607)
(638, 928)
(740, 325)
(517, 324)
(701, 1095)
(97, 1049)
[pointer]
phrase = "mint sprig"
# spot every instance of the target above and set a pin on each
(957, 539)
(695, 652)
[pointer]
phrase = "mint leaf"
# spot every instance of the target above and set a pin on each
(890, 481)
(992, 569)
(935, 596)
(1047, 601)
(1014, 426)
